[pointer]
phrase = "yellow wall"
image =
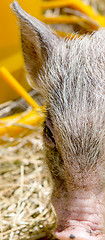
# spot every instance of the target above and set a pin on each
(10, 47)
(9, 35)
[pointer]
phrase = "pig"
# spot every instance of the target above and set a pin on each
(70, 75)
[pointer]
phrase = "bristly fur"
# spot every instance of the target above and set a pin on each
(71, 76)
(75, 89)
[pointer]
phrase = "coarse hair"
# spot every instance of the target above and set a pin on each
(75, 91)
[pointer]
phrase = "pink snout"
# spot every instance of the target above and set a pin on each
(78, 234)
(82, 217)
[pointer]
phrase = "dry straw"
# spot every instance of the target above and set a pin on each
(25, 189)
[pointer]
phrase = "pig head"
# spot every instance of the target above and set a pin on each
(70, 75)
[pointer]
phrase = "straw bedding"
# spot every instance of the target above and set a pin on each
(25, 208)
(25, 184)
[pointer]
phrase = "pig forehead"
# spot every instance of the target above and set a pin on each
(75, 63)
(78, 107)
(79, 134)
(78, 112)
(75, 75)
(74, 85)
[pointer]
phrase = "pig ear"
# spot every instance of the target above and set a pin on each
(38, 41)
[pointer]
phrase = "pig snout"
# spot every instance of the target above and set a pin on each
(80, 218)
(78, 234)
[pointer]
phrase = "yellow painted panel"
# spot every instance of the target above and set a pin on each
(9, 34)
(10, 47)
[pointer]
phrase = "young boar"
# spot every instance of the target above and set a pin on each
(71, 77)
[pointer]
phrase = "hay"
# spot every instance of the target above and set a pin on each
(97, 5)
(25, 184)
(25, 189)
